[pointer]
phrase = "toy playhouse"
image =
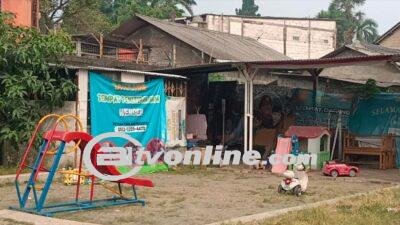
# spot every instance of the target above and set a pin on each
(313, 140)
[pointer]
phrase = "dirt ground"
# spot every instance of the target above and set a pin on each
(206, 195)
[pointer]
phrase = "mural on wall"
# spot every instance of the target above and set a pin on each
(137, 109)
(324, 111)
(299, 103)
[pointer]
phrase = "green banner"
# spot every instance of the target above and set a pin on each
(377, 116)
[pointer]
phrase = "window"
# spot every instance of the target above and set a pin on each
(296, 38)
(326, 41)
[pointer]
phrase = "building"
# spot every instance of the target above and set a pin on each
(96, 46)
(26, 12)
(174, 45)
(297, 38)
(385, 74)
(390, 39)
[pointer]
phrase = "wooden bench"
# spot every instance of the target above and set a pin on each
(383, 147)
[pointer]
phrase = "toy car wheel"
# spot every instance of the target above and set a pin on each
(352, 173)
(334, 173)
(297, 190)
(280, 189)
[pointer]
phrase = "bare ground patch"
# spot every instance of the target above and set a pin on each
(200, 196)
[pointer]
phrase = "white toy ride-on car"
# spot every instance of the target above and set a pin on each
(294, 183)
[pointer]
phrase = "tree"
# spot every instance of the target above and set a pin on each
(367, 29)
(30, 86)
(351, 25)
(249, 8)
(119, 10)
(74, 16)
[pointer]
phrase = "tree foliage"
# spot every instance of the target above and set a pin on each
(30, 86)
(74, 16)
(101, 16)
(351, 24)
(249, 8)
(119, 10)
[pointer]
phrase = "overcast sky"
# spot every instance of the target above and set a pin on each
(385, 12)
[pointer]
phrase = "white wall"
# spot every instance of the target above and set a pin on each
(131, 78)
(83, 85)
(304, 38)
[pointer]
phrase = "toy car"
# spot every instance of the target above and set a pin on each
(290, 184)
(336, 169)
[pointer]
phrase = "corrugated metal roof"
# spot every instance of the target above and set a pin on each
(299, 64)
(385, 74)
(219, 45)
(105, 64)
(364, 48)
(371, 49)
(305, 64)
(351, 69)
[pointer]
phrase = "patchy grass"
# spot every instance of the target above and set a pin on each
(5, 170)
(6, 221)
(374, 209)
(191, 170)
(192, 195)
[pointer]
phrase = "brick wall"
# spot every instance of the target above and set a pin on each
(162, 48)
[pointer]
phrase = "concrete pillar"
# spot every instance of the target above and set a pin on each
(83, 85)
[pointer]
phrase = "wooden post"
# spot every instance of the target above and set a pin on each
(315, 74)
(35, 13)
(78, 48)
(101, 45)
(77, 115)
(309, 39)
(242, 26)
(284, 37)
(229, 25)
(173, 55)
(140, 56)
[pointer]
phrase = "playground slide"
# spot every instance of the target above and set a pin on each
(283, 147)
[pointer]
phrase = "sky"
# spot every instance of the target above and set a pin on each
(385, 12)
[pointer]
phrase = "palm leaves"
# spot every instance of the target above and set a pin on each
(351, 25)
(366, 29)
(187, 4)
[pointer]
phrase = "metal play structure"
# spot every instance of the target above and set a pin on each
(53, 147)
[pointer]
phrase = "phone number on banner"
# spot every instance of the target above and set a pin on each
(131, 129)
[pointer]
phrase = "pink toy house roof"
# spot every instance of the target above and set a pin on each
(306, 131)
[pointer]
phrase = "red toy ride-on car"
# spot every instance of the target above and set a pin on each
(335, 169)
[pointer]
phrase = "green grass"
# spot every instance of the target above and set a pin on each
(382, 208)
